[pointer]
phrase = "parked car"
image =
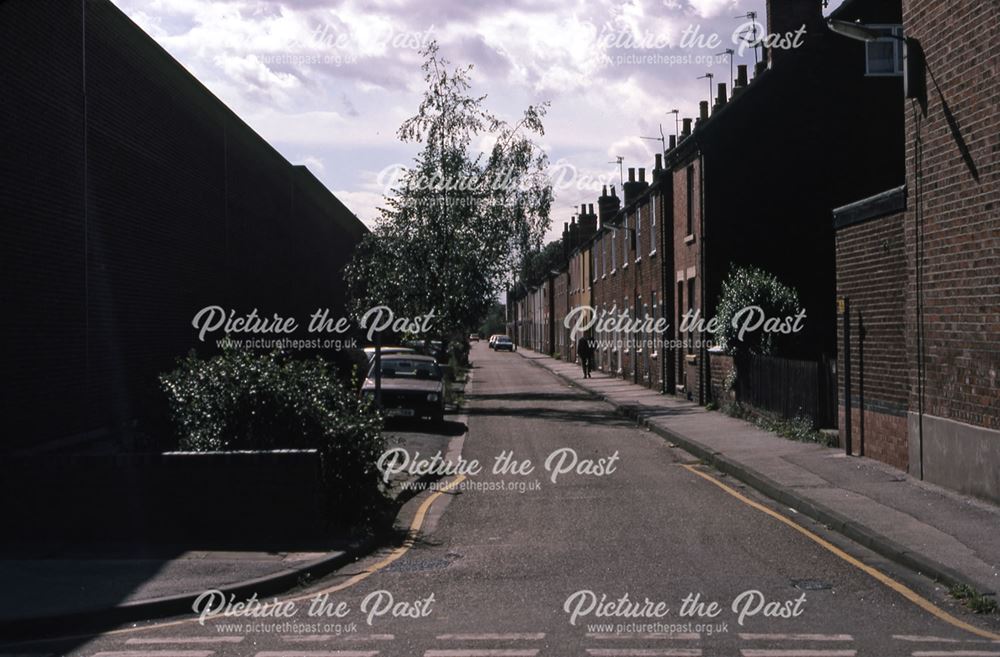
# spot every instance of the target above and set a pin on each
(493, 339)
(474, 337)
(503, 343)
(387, 351)
(434, 348)
(412, 386)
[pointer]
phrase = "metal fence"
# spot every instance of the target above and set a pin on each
(790, 388)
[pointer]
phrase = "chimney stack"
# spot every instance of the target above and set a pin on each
(659, 173)
(672, 144)
(786, 17)
(720, 98)
(607, 206)
(686, 130)
(587, 225)
(702, 111)
(634, 188)
(741, 79)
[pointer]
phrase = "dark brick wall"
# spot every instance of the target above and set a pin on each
(952, 224)
(686, 276)
(871, 274)
(133, 197)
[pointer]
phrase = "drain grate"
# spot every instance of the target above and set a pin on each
(811, 585)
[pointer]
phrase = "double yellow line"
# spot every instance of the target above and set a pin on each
(898, 587)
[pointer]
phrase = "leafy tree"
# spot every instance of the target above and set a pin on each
(456, 223)
(495, 322)
(750, 286)
(537, 263)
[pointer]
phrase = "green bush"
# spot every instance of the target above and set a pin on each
(749, 286)
(240, 400)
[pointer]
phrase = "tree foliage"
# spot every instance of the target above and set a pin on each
(536, 264)
(745, 287)
(456, 222)
(242, 400)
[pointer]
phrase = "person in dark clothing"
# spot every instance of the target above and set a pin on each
(585, 350)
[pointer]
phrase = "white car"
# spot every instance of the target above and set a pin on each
(388, 351)
(494, 337)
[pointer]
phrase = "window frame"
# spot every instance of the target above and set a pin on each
(897, 50)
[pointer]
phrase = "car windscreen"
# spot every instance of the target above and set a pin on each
(406, 368)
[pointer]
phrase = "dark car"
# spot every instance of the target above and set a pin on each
(412, 386)
(503, 343)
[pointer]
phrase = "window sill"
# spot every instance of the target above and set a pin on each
(638, 260)
(614, 271)
(625, 266)
(689, 239)
(652, 253)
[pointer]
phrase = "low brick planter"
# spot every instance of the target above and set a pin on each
(173, 495)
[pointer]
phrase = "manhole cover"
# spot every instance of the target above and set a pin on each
(810, 585)
(423, 565)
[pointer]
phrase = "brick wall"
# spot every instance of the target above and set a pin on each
(132, 198)
(719, 367)
(953, 222)
(560, 306)
(686, 275)
(871, 275)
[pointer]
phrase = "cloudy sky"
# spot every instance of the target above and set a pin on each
(328, 82)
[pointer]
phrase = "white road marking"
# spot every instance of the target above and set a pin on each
(936, 639)
(494, 636)
(156, 653)
(644, 652)
(184, 639)
(796, 637)
(680, 636)
(318, 653)
(308, 638)
(767, 652)
(480, 653)
(956, 653)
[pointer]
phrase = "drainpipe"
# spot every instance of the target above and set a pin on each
(702, 350)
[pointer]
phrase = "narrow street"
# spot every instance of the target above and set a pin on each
(506, 563)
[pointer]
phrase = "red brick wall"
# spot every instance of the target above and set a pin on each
(720, 365)
(686, 260)
(953, 218)
(871, 275)
(560, 305)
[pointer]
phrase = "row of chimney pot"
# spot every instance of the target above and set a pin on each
(608, 205)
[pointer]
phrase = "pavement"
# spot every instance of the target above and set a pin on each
(596, 562)
(100, 582)
(946, 536)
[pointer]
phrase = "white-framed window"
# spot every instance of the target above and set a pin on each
(652, 224)
(654, 336)
(614, 250)
(884, 56)
(638, 234)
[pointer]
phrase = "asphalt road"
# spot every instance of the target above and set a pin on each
(516, 564)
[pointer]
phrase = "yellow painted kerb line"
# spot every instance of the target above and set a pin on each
(899, 588)
(411, 536)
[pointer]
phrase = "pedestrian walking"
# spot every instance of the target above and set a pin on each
(585, 350)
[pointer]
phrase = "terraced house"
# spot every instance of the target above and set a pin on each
(874, 199)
